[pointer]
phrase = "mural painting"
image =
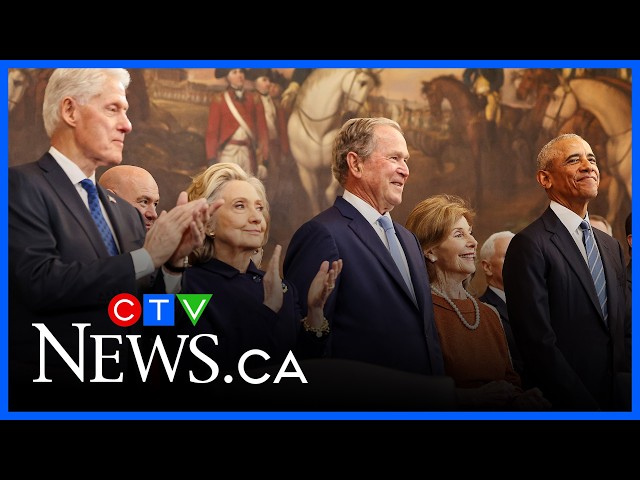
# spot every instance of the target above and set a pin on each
(471, 132)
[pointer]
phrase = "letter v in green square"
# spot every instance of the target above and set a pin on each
(194, 304)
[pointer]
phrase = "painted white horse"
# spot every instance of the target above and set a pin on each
(611, 105)
(326, 98)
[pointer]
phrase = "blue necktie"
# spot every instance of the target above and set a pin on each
(595, 266)
(396, 250)
(96, 213)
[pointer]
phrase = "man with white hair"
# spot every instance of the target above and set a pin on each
(491, 260)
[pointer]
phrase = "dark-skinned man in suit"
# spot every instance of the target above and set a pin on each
(572, 342)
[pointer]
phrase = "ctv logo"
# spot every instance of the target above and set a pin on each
(157, 310)
(125, 309)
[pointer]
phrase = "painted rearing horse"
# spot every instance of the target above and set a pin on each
(467, 118)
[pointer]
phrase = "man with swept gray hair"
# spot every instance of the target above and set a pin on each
(491, 260)
(72, 249)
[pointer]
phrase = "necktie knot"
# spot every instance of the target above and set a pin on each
(386, 223)
(89, 186)
(584, 225)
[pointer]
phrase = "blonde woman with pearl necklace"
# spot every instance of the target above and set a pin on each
(474, 345)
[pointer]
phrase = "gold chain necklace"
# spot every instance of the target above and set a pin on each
(457, 310)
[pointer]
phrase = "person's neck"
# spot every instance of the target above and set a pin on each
(73, 153)
(578, 206)
(454, 289)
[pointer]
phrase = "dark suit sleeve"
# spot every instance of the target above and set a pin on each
(525, 272)
(52, 266)
(309, 247)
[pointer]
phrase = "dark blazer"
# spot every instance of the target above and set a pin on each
(372, 314)
(490, 297)
(60, 272)
(241, 321)
(567, 349)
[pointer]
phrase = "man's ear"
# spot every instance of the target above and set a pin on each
(544, 179)
(69, 110)
(486, 267)
(353, 160)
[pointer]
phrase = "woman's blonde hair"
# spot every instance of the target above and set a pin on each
(210, 184)
(433, 218)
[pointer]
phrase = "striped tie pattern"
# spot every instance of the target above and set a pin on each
(395, 250)
(96, 213)
(595, 266)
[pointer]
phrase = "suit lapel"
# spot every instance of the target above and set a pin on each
(69, 199)
(111, 206)
(608, 262)
(496, 301)
(365, 232)
(568, 249)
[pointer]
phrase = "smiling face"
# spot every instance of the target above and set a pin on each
(385, 172)
(101, 124)
(240, 223)
(572, 178)
(455, 256)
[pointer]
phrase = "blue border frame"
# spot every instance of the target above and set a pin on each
(305, 415)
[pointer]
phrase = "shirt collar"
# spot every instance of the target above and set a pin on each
(367, 211)
(569, 219)
(70, 169)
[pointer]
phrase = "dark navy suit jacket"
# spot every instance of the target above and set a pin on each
(567, 349)
(60, 272)
(372, 314)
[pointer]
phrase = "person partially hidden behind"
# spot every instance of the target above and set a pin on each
(474, 345)
(627, 230)
(380, 312)
(491, 259)
(571, 329)
(72, 249)
(601, 223)
(137, 186)
(252, 308)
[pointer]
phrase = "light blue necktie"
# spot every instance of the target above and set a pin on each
(595, 266)
(96, 213)
(396, 250)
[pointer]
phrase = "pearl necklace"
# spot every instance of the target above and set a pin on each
(457, 310)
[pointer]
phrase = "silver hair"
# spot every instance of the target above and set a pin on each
(82, 84)
(489, 245)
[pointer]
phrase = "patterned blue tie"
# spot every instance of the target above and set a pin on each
(595, 266)
(96, 213)
(396, 250)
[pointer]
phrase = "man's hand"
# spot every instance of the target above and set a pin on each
(175, 234)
